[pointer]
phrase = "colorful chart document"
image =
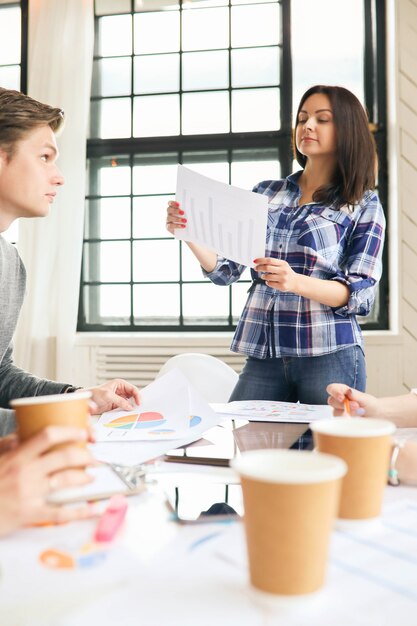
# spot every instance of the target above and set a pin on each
(268, 411)
(228, 220)
(170, 409)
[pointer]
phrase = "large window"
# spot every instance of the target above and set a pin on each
(10, 45)
(209, 84)
(13, 39)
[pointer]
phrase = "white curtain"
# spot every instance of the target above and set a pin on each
(61, 39)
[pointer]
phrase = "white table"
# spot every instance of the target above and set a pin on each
(156, 568)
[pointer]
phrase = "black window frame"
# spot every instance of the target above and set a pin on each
(375, 102)
(24, 10)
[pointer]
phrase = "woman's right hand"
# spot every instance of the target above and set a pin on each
(175, 217)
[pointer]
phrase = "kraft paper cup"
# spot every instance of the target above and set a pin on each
(35, 414)
(365, 445)
(290, 502)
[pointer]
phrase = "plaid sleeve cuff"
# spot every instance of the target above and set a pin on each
(225, 272)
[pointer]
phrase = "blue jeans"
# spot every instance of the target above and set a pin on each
(300, 379)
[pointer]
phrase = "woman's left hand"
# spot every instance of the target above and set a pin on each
(277, 274)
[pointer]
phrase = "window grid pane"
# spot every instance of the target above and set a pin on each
(135, 251)
(10, 35)
(165, 72)
(12, 67)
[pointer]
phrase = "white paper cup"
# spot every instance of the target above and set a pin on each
(290, 499)
(65, 409)
(365, 445)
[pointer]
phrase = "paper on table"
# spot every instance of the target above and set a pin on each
(170, 409)
(55, 564)
(406, 434)
(268, 411)
(185, 586)
(228, 220)
(371, 572)
(135, 452)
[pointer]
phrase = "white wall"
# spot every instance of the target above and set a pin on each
(407, 180)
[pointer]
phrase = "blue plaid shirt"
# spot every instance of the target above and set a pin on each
(319, 241)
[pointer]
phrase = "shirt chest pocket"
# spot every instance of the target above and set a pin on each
(325, 231)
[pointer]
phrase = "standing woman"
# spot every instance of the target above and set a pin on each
(322, 262)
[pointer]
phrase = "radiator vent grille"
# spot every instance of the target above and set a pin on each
(140, 364)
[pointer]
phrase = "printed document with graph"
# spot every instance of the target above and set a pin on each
(228, 220)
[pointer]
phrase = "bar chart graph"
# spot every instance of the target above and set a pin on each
(229, 220)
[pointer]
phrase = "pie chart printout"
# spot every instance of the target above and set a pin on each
(150, 420)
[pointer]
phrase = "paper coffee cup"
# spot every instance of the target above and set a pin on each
(290, 501)
(365, 445)
(35, 414)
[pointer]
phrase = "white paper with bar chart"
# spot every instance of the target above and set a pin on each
(228, 220)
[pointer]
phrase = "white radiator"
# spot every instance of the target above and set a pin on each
(138, 358)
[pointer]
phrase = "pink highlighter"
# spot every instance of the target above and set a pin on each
(111, 520)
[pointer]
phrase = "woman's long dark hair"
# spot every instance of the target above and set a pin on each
(356, 158)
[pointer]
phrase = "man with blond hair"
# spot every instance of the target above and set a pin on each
(29, 180)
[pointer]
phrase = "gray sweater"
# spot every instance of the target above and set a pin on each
(14, 382)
